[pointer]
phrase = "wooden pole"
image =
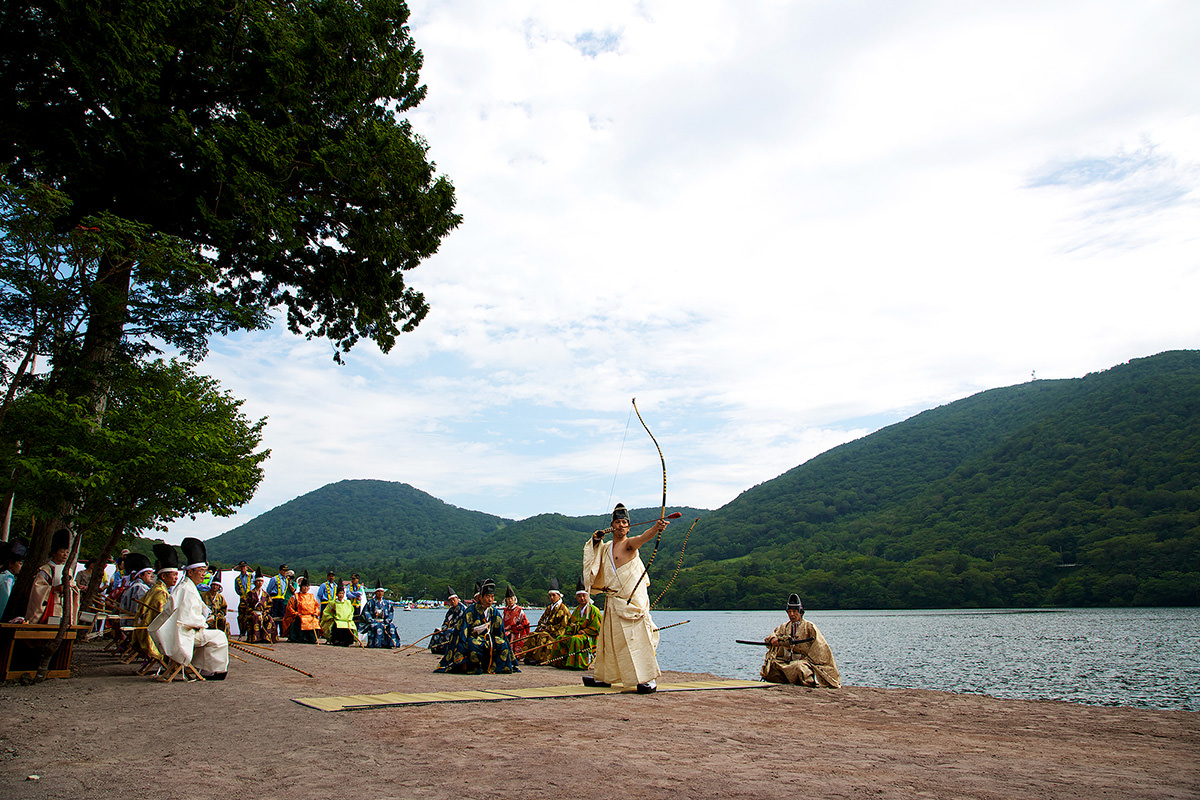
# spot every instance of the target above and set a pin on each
(238, 646)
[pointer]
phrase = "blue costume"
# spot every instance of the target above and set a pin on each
(479, 645)
(377, 616)
(444, 635)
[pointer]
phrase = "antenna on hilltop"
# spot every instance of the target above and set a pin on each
(1033, 375)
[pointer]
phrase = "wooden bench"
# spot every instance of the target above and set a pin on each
(20, 650)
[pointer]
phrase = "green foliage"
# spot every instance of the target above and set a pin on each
(179, 168)
(170, 444)
(268, 136)
(1077, 492)
(1073, 492)
(412, 541)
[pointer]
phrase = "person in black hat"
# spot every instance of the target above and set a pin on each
(378, 614)
(181, 631)
(516, 624)
(327, 591)
(281, 589)
(303, 617)
(337, 620)
(582, 632)
(13, 559)
(140, 579)
(155, 600)
(547, 642)
(356, 593)
(455, 609)
(215, 600)
(799, 653)
(243, 581)
(626, 650)
(46, 596)
(480, 645)
(254, 616)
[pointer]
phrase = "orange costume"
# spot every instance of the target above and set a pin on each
(304, 609)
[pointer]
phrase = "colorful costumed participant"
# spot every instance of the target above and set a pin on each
(136, 586)
(280, 589)
(254, 613)
(356, 593)
(46, 603)
(626, 651)
(378, 614)
(799, 653)
(480, 645)
(516, 624)
(337, 620)
(454, 614)
(216, 601)
(327, 591)
(155, 600)
(582, 632)
(244, 581)
(14, 559)
(302, 621)
(141, 578)
(181, 630)
(548, 641)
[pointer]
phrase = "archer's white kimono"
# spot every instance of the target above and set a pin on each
(181, 631)
(626, 651)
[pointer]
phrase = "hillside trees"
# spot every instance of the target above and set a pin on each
(223, 161)
(171, 444)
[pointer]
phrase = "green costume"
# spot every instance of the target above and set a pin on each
(581, 642)
(337, 622)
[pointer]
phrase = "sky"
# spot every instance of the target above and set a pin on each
(780, 226)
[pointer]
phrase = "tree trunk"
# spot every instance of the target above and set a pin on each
(85, 378)
(38, 554)
(88, 599)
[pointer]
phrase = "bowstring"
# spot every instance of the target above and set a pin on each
(613, 489)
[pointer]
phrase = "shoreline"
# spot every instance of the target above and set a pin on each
(108, 730)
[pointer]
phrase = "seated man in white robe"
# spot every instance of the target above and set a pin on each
(181, 631)
(799, 653)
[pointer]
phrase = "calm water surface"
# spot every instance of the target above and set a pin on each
(1145, 658)
(1138, 657)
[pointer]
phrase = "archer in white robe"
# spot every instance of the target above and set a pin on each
(627, 648)
(181, 631)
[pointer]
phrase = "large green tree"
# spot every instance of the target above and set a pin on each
(264, 144)
(270, 134)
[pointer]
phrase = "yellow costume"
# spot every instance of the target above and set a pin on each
(802, 656)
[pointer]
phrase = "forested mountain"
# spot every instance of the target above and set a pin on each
(1070, 492)
(412, 541)
(1067, 492)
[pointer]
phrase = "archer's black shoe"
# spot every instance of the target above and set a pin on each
(588, 680)
(217, 676)
(646, 688)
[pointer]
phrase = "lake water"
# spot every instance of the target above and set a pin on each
(1137, 657)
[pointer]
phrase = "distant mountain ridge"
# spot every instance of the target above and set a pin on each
(1063, 492)
(352, 523)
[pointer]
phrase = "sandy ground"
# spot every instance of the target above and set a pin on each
(107, 732)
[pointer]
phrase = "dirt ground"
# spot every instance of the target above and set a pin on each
(107, 732)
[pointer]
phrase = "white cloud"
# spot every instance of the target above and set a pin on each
(778, 225)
